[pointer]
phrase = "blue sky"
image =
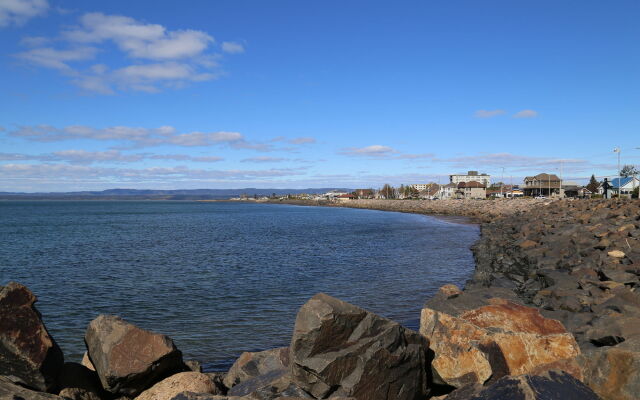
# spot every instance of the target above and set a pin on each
(296, 94)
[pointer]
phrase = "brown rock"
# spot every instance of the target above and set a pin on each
(456, 362)
(87, 362)
(616, 254)
(495, 340)
(449, 291)
(514, 318)
(182, 382)
(252, 364)
(339, 349)
(28, 354)
(527, 244)
(129, 359)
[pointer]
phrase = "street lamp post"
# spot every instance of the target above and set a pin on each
(617, 150)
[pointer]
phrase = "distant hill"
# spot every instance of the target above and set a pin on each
(151, 194)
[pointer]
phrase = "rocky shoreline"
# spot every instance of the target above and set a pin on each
(551, 312)
(479, 211)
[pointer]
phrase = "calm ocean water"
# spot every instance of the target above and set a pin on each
(222, 278)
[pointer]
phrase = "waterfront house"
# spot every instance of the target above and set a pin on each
(542, 185)
(624, 186)
(471, 190)
(364, 193)
(471, 176)
(345, 197)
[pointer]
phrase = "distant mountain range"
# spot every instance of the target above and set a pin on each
(151, 194)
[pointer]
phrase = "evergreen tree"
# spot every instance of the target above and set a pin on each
(593, 184)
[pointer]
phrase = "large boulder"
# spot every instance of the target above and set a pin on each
(613, 372)
(552, 385)
(339, 349)
(11, 391)
(182, 382)
(502, 338)
(129, 359)
(28, 354)
(253, 364)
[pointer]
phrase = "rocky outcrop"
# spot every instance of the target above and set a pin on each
(182, 382)
(495, 340)
(128, 359)
(338, 349)
(579, 262)
(28, 354)
(477, 210)
(548, 386)
(253, 364)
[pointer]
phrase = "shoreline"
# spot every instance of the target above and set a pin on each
(554, 300)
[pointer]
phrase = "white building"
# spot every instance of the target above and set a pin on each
(625, 186)
(420, 186)
(471, 176)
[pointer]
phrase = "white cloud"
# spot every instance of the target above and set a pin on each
(526, 114)
(137, 39)
(488, 113)
(64, 173)
(58, 59)
(374, 151)
(232, 47)
(89, 157)
(159, 58)
(139, 137)
(264, 159)
(17, 12)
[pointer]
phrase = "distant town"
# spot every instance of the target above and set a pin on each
(474, 185)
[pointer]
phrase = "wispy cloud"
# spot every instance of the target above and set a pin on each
(264, 159)
(17, 12)
(65, 173)
(136, 137)
(373, 151)
(488, 113)
(232, 47)
(516, 162)
(296, 141)
(380, 152)
(526, 114)
(96, 157)
(163, 58)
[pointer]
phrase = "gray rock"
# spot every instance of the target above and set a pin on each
(613, 372)
(193, 365)
(552, 385)
(11, 391)
(28, 354)
(128, 359)
(339, 349)
(253, 364)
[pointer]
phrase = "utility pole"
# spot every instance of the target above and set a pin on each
(617, 150)
(560, 189)
(502, 183)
